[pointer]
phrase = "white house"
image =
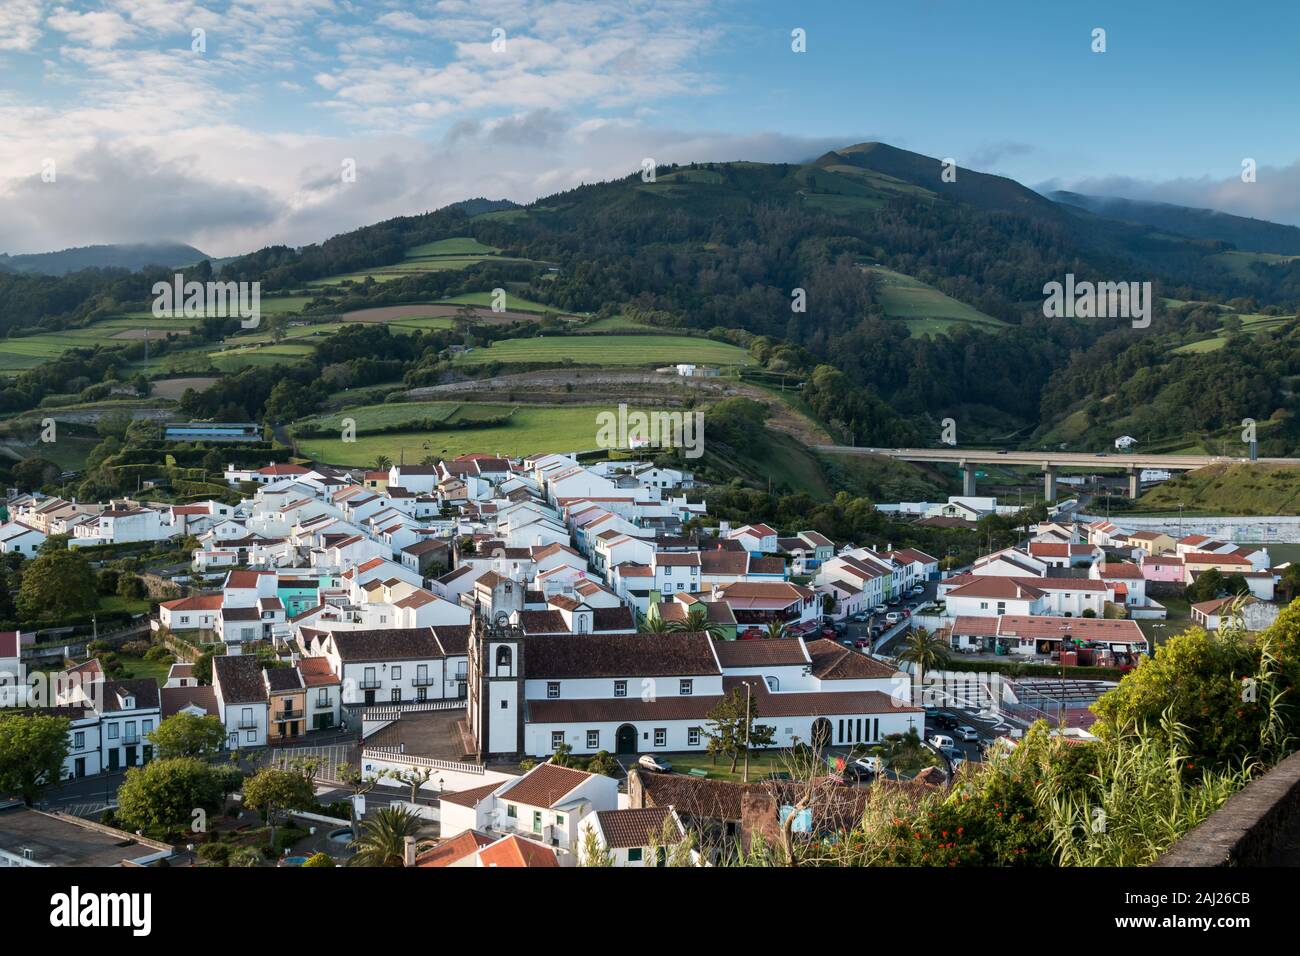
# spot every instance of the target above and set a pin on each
(243, 700)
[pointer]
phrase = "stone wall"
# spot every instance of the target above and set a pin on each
(1257, 826)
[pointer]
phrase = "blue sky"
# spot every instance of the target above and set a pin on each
(240, 144)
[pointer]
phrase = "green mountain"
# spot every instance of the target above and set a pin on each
(133, 257)
(1250, 235)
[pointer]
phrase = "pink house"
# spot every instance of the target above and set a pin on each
(1163, 567)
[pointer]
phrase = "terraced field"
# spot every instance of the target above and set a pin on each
(609, 350)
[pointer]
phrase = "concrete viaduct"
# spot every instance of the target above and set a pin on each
(1050, 462)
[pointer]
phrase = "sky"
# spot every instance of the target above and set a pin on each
(229, 124)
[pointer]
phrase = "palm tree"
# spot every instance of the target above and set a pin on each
(383, 463)
(697, 619)
(775, 630)
(927, 651)
(383, 838)
(654, 624)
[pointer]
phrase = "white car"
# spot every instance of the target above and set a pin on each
(654, 764)
(942, 740)
(879, 609)
(893, 617)
(917, 589)
(868, 764)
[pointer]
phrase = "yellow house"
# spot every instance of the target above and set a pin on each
(288, 697)
(1152, 542)
(1194, 562)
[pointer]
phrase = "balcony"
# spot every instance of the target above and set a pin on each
(248, 725)
(370, 684)
(130, 740)
(288, 715)
(425, 681)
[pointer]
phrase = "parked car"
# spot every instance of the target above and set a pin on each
(867, 764)
(955, 756)
(654, 764)
(847, 641)
(893, 617)
(879, 609)
(942, 740)
(906, 612)
(877, 630)
(862, 644)
(967, 732)
(918, 589)
(859, 618)
(945, 720)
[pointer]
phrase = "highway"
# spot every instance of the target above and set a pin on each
(1052, 459)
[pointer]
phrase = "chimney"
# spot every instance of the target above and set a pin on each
(408, 851)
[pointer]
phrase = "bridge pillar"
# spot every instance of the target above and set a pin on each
(1134, 484)
(1049, 483)
(967, 479)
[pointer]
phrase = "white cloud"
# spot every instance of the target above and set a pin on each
(102, 29)
(20, 24)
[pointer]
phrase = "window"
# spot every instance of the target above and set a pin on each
(505, 705)
(322, 698)
(112, 731)
(684, 688)
(252, 736)
(503, 658)
(593, 739)
(661, 736)
(396, 695)
(512, 811)
(620, 688)
(397, 672)
(146, 726)
(634, 855)
(79, 739)
(693, 736)
(553, 689)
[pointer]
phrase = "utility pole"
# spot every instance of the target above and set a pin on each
(748, 691)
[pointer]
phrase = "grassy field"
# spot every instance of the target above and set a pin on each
(531, 429)
(610, 350)
(924, 308)
(1239, 489)
(513, 303)
(616, 323)
(458, 246)
(398, 413)
(24, 352)
(1178, 619)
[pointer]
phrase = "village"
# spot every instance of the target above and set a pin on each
(541, 662)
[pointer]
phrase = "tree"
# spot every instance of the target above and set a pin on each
(1222, 691)
(383, 838)
(162, 797)
(33, 473)
(32, 750)
(593, 852)
(274, 791)
(413, 777)
(56, 587)
(775, 630)
(319, 859)
(383, 463)
(602, 763)
(697, 619)
(654, 624)
(188, 735)
(731, 729)
(356, 781)
(927, 651)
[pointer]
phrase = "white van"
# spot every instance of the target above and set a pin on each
(941, 741)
